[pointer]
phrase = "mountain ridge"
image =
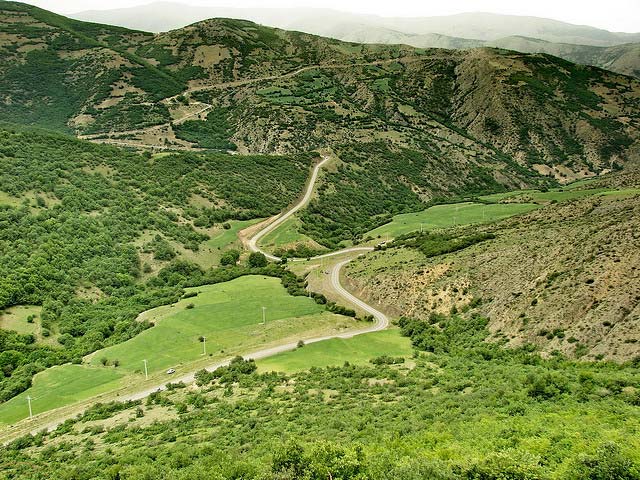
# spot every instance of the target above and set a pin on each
(414, 25)
(460, 31)
(385, 89)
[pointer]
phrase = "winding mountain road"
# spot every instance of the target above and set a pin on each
(252, 243)
(381, 321)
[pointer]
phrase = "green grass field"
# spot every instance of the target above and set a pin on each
(443, 216)
(228, 314)
(15, 318)
(6, 199)
(59, 386)
(221, 239)
(568, 193)
(224, 239)
(286, 234)
(357, 350)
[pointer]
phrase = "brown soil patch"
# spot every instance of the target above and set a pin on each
(207, 55)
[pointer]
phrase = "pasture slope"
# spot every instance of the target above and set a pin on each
(229, 315)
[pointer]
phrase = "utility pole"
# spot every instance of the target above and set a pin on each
(204, 345)
(264, 315)
(30, 411)
(146, 372)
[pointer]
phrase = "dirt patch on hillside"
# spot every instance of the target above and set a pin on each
(81, 120)
(207, 55)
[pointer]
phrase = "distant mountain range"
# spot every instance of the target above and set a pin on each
(581, 44)
(163, 16)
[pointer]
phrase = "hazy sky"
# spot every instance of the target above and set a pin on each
(615, 15)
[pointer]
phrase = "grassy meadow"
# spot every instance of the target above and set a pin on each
(515, 203)
(357, 351)
(225, 238)
(443, 216)
(228, 314)
(220, 240)
(285, 235)
(559, 195)
(16, 318)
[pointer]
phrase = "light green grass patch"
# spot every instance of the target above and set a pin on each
(59, 386)
(29, 199)
(443, 216)
(221, 239)
(407, 110)
(381, 85)
(276, 91)
(6, 199)
(228, 314)
(357, 350)
(15, 318)
(286, 234)
(580, 183)
(559, 195)
(226, 238)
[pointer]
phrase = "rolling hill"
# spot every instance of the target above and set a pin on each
(448, 123)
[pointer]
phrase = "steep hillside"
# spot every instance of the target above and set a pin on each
(536, 109)
(61, 73)
(225, 50)
(446, 123)
(563, 277)
(65, 74)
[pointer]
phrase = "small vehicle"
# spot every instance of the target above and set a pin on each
(171, 371)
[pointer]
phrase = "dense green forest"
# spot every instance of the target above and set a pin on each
(460, 409)
(72, 219)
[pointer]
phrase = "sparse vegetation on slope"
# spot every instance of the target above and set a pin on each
(563, 277)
